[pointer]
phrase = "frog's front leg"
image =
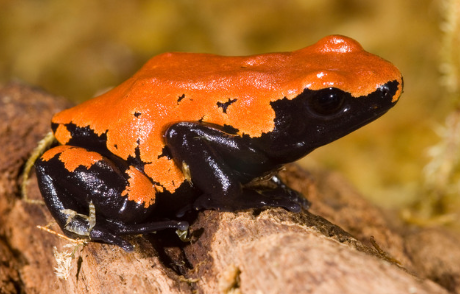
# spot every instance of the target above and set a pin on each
(219, 164)
(91, 196)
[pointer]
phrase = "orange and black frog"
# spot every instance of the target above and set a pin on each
(189, 131)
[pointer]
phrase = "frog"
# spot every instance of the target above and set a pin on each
(192, 131)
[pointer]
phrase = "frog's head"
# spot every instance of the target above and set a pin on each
(344, 88)
(318, 117)
(332, 113)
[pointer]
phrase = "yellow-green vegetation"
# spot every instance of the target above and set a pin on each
(78, 48)
(439, 201)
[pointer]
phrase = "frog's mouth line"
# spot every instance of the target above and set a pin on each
(364, 122)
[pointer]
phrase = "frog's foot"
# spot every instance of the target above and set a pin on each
(289, 194)
(78, 223)
(85, 226)
(110, 232)
(284, 191)
(248, 199)
(99, 233)
(144, 228)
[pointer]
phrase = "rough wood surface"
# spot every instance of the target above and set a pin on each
(257, 251)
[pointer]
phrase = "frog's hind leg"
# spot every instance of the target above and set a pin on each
(76, 188)
(85, 226)
(73, 221)
(91, 196)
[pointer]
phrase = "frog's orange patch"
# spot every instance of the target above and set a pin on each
(73, 157)
(140, 189)
(204, 80)
(49, 154)
(165, 172)
(62, 134)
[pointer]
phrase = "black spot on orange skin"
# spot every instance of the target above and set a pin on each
(225, 105)
(137, 114)
(180, 98)
(136, 160)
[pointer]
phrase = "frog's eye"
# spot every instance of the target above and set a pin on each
(384, 90)
(326, 102)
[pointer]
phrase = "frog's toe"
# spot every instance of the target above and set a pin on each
(291, 206)
(289, 199)
(102, 235)
(300, 199)
(304, 202)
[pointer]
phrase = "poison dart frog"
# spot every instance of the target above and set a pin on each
(190, 131)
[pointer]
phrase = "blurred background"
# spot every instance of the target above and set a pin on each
(78, 48)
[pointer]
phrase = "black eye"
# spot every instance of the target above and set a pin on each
(384, 91)
(327, 101)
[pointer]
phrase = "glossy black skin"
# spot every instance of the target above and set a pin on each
(220, 164)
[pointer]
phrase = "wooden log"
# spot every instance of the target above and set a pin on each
(255, 251)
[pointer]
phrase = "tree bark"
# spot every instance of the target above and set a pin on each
(255, 251)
